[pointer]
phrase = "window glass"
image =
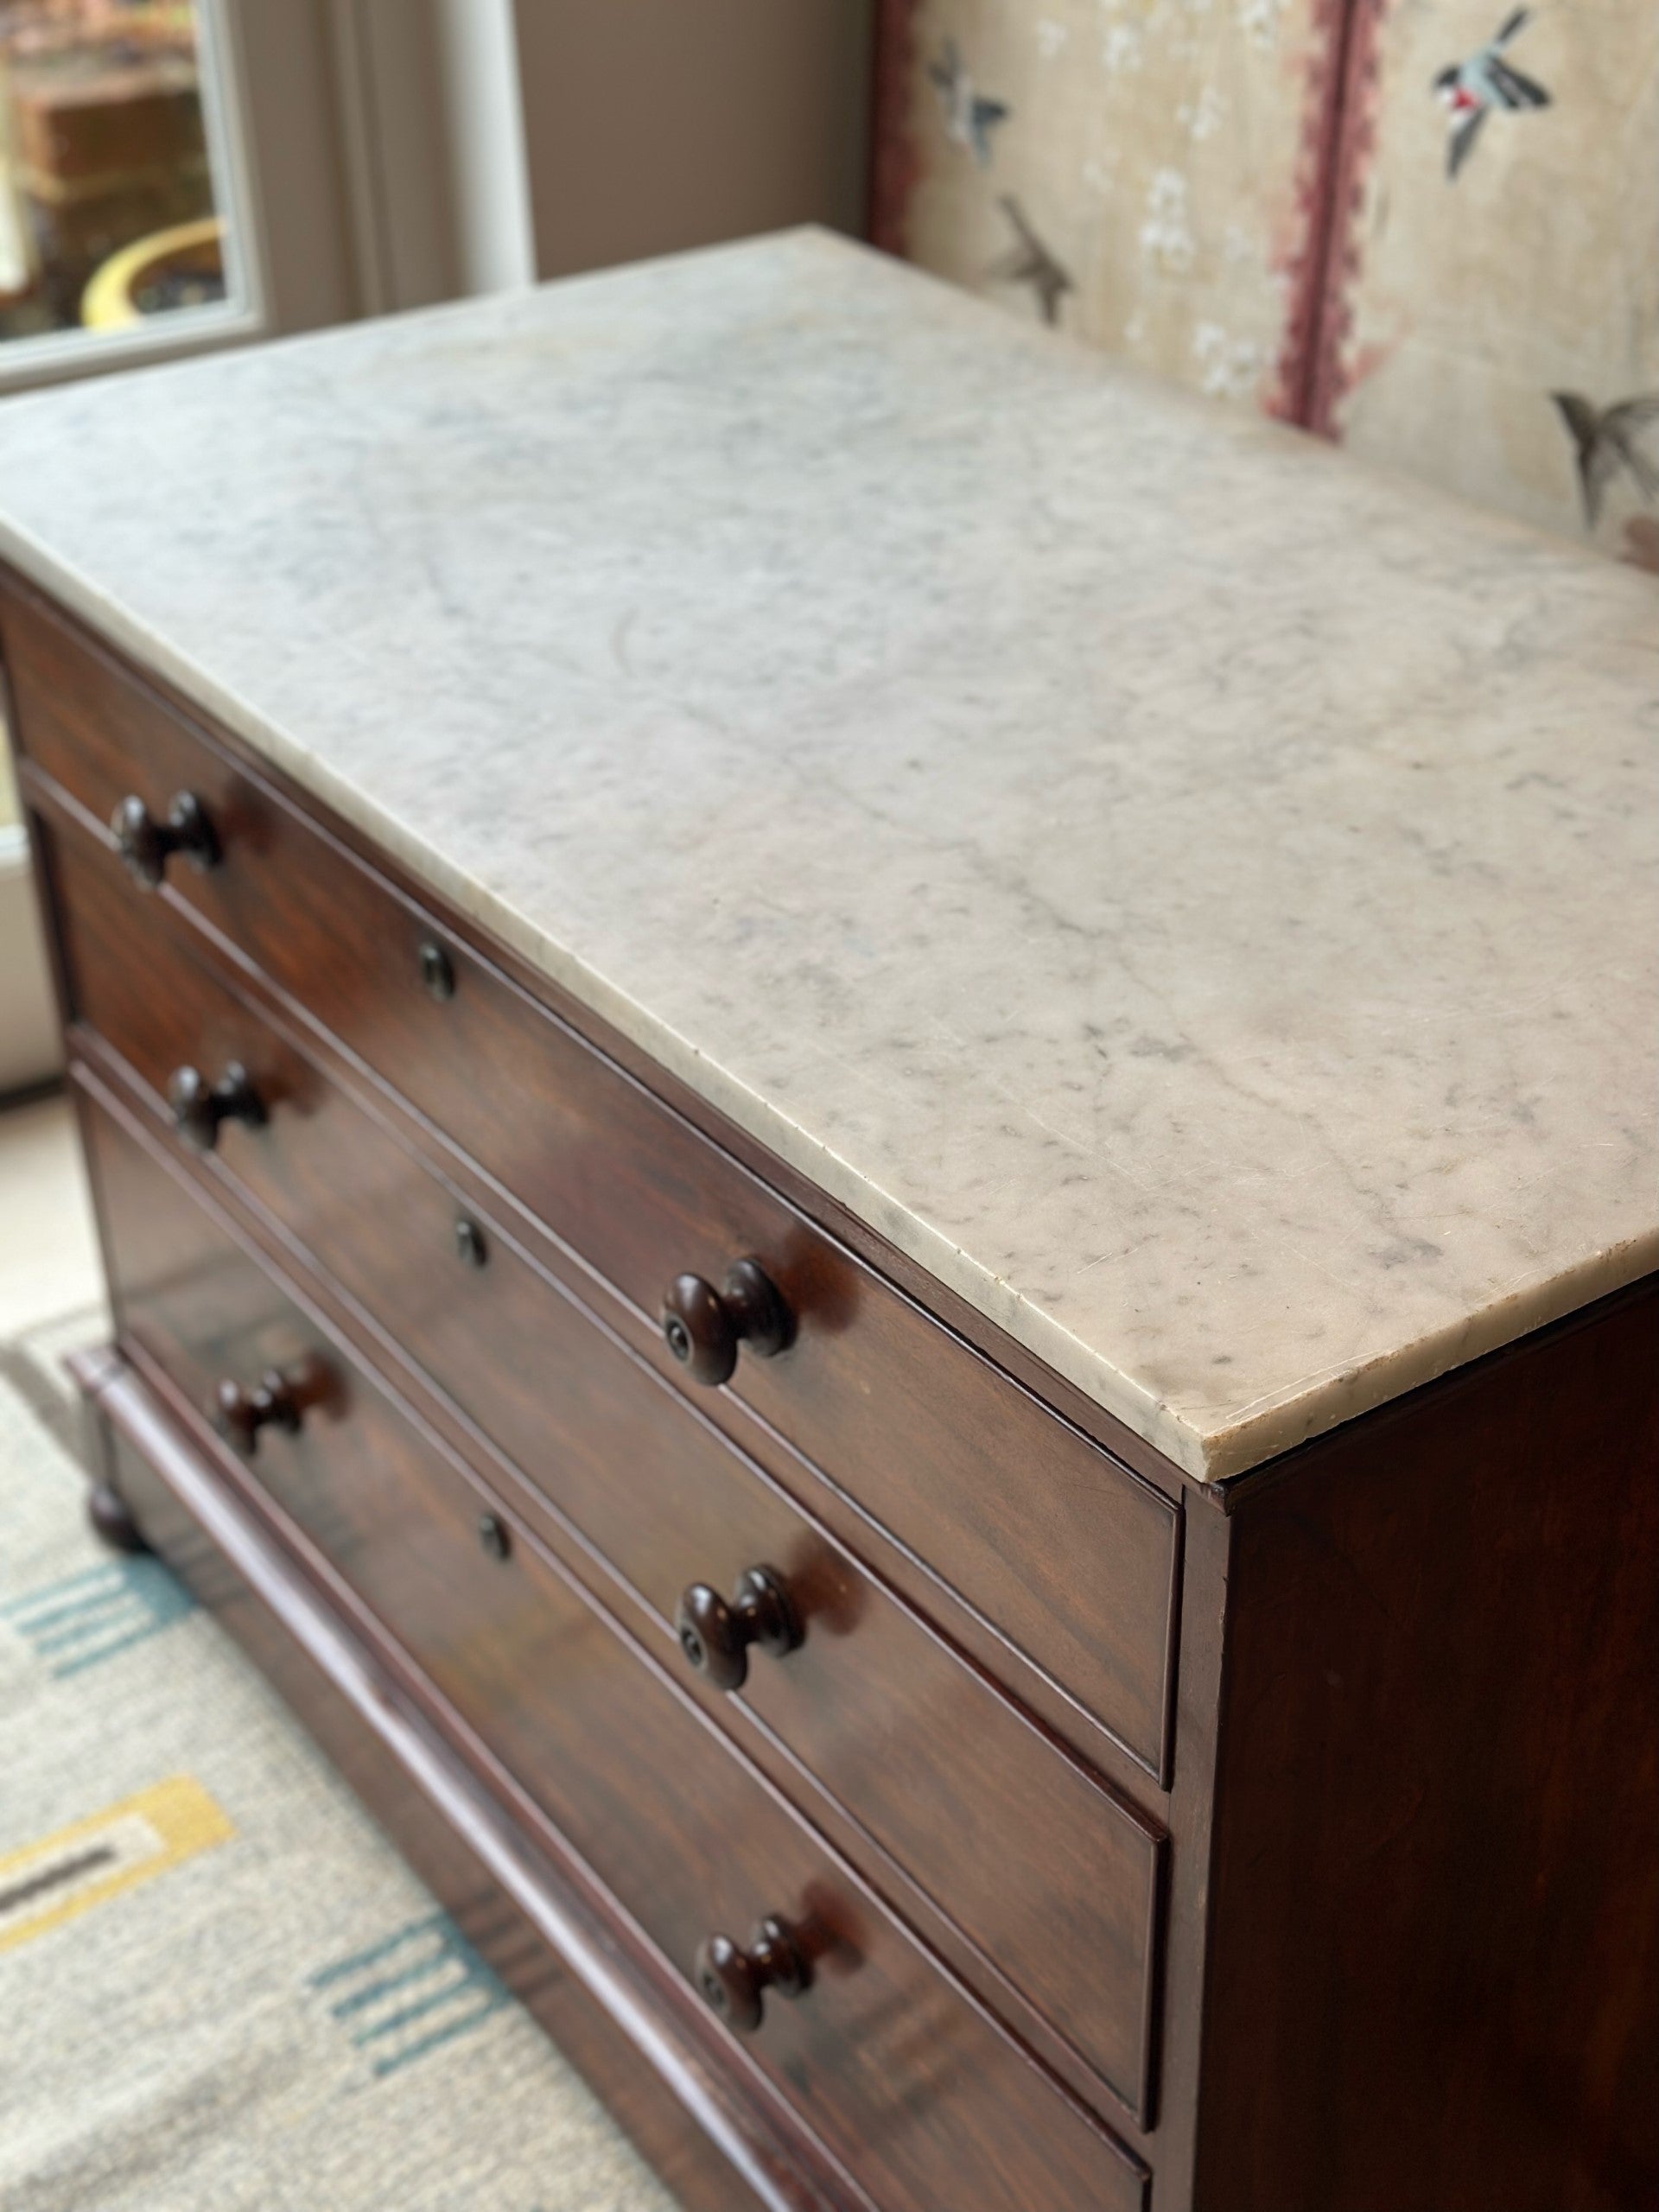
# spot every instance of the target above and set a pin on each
(111, 210)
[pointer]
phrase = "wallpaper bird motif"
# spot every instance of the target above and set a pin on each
(1428, 228)
(1473, 88)
(1606, 440)
(1121, 192)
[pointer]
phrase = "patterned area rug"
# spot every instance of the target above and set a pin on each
(221, 1989)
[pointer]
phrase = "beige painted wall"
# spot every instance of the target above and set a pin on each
(29, 1050)
(652, 125)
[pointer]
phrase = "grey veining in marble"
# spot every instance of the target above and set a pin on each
(1197, 897)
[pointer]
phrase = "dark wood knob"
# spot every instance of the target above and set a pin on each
(146, 845)
(702, 1326)
(715, 1637)
(198, 1106)
(239, 1415)
(733, 1981)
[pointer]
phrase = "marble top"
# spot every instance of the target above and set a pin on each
(1196, 896)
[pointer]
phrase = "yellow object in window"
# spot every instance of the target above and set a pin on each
(187, 258)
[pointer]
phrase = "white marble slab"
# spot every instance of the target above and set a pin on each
(1195, 896)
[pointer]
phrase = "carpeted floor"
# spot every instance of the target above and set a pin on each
(222, 1991)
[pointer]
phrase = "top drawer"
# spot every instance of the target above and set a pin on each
(1068, 1558)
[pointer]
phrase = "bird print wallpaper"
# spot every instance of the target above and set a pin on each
(1133, 175)
(1497, 328)
(1427, 228)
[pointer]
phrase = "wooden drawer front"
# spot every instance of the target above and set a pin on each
(938, 1768)
(1069, 1558)
(895, 2066)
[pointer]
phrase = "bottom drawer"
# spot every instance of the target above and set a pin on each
(895, 2066)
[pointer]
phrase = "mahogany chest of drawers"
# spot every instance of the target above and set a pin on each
(922, 1795)
(840, 1677)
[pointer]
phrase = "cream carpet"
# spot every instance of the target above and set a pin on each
(223, 1991)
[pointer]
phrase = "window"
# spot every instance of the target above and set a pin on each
(121, 220)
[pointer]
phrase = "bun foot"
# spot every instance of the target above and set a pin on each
(111, 1520)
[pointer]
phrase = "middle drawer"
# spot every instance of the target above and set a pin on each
(1053, 1879)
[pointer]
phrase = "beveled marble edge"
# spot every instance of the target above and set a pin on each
(1264, 1430)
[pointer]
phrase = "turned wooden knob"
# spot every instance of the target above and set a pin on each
(702, 1326)
(733, 1981)
(239, 1415)
(715, 1637)
(198, 1106)
(146, 845)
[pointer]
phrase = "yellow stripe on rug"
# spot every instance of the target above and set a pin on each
(56, 1880)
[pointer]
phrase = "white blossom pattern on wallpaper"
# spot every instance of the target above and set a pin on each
(1429, 228)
